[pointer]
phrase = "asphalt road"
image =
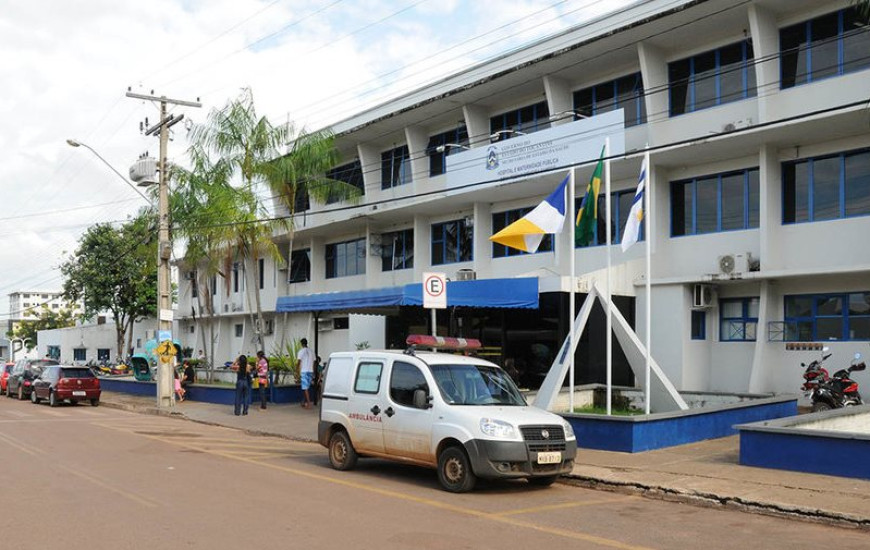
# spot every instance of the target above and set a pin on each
(84, 477)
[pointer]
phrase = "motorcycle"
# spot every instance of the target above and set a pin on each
(839, 390)
(815, 373)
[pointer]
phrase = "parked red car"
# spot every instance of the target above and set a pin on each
(66, 383)
(5, 371)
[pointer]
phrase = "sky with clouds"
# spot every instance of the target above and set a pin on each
(67, 65)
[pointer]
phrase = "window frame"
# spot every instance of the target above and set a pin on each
(388, 263)
(744, 319)
(397, 365)
(350, 173)
(526, 119)
(333, 260)
(438, 160)
(357, 378)
(792, 323)
(464, 235)
(396, 168)
(698, 323)
(748, 207)
(746, 66)
(304, 270)
(635, 113)
(808, 45)
(790, 190)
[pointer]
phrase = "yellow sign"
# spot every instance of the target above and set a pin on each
(166, 349)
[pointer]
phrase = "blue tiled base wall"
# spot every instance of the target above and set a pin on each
(224, 395)
(641, 433)
(836, 456)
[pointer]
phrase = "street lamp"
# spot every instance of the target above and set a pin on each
(76, 143)
(448, 146)
(496, 136)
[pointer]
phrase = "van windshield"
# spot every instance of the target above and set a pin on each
(476, 385)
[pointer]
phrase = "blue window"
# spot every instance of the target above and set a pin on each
(715, 203)
(504, 219)
(452, 242)
(826, 188)
(54, 352)
(525, 120)
(346, 259)
(80, 354)
(350, 173)
(699, 324)
(819, 317)
(395, 167)
(738, 319)
(300, 266)
(442, 145)
(622, 93)
(829, 45)
(712, 78)
(620, 202)
(397, 250)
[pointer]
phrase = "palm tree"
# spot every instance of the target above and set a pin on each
(252, 149)
(199, 202)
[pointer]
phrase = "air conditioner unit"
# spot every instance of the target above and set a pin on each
(737, 125)
(734, 264)
(325, 324)
(702, 296)
(466, 275)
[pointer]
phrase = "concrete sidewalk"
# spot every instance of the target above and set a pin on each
(705, 473)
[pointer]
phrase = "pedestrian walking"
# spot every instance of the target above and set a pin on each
(305, 366)
(188, 377)
(243, 385)
(263, 377)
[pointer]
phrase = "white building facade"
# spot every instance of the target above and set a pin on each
(755, 116)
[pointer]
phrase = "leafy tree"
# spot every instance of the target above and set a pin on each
(115, 270)
(46, 319)
(253, 150)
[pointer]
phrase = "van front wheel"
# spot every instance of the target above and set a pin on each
(454, 471)
(342, 455)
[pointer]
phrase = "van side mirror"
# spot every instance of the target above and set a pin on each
(422, 399)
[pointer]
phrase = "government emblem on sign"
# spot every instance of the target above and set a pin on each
(492, 158)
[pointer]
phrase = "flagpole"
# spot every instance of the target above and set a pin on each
(647, 190)
(609, 294)
(571, 287)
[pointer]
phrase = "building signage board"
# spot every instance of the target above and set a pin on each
(559, 147)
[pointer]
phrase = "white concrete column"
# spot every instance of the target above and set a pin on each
(559, 98)
(765, 45)
(654, 71)
(477, 123)
(370, 159)
(422, 247)
(770, 207)
(482, 217)
(417, 139)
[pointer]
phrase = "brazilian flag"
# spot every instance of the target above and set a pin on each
(587, 215)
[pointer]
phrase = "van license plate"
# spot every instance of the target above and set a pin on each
(550, 458)
(79, 393)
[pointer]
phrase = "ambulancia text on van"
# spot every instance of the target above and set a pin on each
(462, 415)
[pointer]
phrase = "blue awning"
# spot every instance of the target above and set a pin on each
(493, 293)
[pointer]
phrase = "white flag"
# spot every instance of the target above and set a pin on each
(635, 216)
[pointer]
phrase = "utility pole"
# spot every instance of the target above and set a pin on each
(165, 389)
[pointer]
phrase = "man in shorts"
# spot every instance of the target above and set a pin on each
(305, 366)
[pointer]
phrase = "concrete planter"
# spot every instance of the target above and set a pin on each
(201, 392)
(632, 434)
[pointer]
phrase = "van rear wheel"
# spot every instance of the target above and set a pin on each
(454, 471)
(342, 455)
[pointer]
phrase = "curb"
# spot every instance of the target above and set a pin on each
(712, 500)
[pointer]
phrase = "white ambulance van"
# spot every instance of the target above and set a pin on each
(461, 415)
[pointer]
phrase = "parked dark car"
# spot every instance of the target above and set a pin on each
(23, 374)
(66, 383)
(5, 371)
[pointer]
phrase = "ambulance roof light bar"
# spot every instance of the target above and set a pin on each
(441, 343)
